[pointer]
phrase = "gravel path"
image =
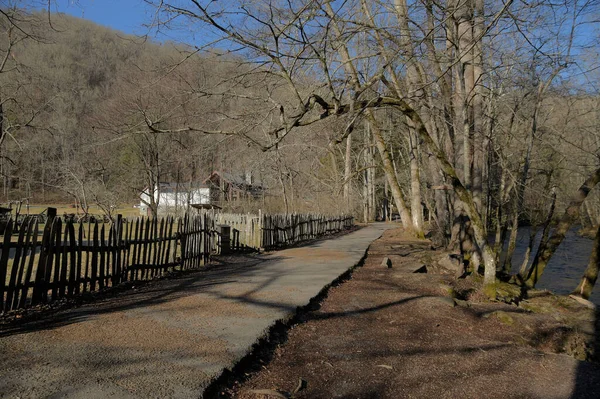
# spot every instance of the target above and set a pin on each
(172, 337)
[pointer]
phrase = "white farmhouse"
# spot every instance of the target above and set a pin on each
(174, 198)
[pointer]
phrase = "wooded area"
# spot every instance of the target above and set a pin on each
(482, 115)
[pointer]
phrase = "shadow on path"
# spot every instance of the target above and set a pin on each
(149, 293)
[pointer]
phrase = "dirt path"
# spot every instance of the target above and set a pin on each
(392, 333)
(169, 339)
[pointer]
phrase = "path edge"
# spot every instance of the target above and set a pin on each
(261, 352)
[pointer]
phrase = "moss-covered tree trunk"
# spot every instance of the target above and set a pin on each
(464, 195)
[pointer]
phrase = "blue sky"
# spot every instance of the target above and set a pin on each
(125, 15)
(129, 16)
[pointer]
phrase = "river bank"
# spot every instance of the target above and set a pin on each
(393, 333)
(566, 267)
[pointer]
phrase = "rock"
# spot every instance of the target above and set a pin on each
(503, 317)
(538, 306)
(452, 263)
(578, 346)
(461, 303)
(422, 269)
(535, 293)
(508, 293)
(584, 302)
(386, 262)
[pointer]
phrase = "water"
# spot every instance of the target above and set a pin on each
(565, 269)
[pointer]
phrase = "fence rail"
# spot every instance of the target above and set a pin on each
(255, 232)
(283, 230)
(43, 262)
(245, 230)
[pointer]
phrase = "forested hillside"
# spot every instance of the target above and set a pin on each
(78, 101)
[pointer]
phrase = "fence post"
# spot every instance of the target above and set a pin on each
(40, 274)
(4, 261)
(224, 239)
(260, 232)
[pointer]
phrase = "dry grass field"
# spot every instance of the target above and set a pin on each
(126, 210)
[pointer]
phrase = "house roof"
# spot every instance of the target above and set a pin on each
(168, 187)
(237, 180)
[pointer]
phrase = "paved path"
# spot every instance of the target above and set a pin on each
(171, 338)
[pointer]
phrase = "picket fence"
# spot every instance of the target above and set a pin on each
(245, 230)
(72, 258)
(255, 232)
(284, 230)
(43, 262)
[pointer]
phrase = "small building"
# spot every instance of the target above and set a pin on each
(218, 189)
(174, 198)
(227, 187)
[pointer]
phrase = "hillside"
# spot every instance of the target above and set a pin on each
(84, 95)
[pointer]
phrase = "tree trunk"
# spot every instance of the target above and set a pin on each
(512, 242)
(388, 169)
(477, 109)
(585, 287)
(371, 180)
(545, 230)
(284, 192)
(415, 185)
(348, 171)
(368, 159)
(365, 196)
(532, 233)
(335, 170)
(500, 216)
(571, 214)
(464, 28)
(377, 134)
(441, 204)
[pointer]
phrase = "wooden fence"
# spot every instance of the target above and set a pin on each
(246, 232)
(40, 263)
(255, 232)
(283, 230)
(71, 258)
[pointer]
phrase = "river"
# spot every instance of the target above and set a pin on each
(566, 267)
